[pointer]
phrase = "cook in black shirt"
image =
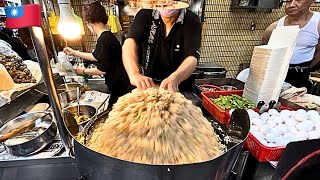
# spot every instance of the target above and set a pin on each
(162, 46)
(107, 53)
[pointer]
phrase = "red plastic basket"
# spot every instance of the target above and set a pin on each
(220, 115)
(261, 152)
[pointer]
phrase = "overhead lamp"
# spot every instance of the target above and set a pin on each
(68, 27)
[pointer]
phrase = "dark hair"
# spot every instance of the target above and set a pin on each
(95, 13)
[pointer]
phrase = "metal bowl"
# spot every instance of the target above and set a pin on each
(228, 88)
(71, 92)
(42, 134)
(84, 110)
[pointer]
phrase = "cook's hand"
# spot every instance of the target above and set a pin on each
(170, 83)
(141, 82)
(68, 51)
(79, 70)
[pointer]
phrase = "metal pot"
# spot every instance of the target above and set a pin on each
(71, 92)
(63, 99)
(95, 166)
(42, 134)
(84, 110)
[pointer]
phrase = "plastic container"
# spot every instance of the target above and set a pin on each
(200, 88)
(261, 152)
(222, 116)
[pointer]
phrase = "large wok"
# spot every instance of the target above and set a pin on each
(96, 166)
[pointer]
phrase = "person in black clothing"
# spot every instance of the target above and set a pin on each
(163, 46)
(107, 53)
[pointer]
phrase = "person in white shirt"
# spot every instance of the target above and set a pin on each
(306, 54)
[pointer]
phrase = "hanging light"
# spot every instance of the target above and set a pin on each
(68, 27)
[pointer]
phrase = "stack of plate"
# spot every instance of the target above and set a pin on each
(269, 66)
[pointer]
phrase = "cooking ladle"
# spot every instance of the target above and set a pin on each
(70, 122)
(78, 101)
(65, 83)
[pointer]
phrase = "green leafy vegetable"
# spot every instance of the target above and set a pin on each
(232, 102)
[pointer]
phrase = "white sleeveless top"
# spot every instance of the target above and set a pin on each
(307, 40)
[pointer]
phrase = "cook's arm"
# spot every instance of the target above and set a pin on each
(185, 70)
(131, 64)
(267, 33)
(90, 71)
(130, 57)
(83, 55)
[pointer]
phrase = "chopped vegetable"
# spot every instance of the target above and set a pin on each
(232, 102)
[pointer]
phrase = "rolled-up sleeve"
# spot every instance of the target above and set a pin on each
(138, 28)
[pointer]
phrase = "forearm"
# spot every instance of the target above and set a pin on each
(93, 71)
(185, 69)
(316, 58)
(130, 57)
(315, 62)
(84, 55)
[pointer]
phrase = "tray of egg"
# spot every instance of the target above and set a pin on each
(271, 131)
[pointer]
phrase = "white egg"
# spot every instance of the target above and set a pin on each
(300, 117)
(282, 128)
(285, 111)
(287, 135)
(292, 114)
(271, 138)
(275, 131)
(314, 118)
(318, 129)
(258, 135)
(292, 129)
(313, 135)
(273, 112)
(301, 111)
(272, 145)
(264, 142)
(259, 122)
(312, 113)
(317, 124)
(276, 119)
(281, 142)
(231, 111)
(304, 126)
(290, 122)
(265, 129)
(272, 123)
(265, 116)
(310, 125)
(289, 139)
(301, 135)
(252, 113)
(284, 117)
(254, 128)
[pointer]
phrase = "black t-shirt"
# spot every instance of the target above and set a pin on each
(160, 55)
(109, 60)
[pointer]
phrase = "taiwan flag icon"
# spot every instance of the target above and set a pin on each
(23, 16)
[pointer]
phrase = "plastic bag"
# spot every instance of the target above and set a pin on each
(6, 49)
(64, 64)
